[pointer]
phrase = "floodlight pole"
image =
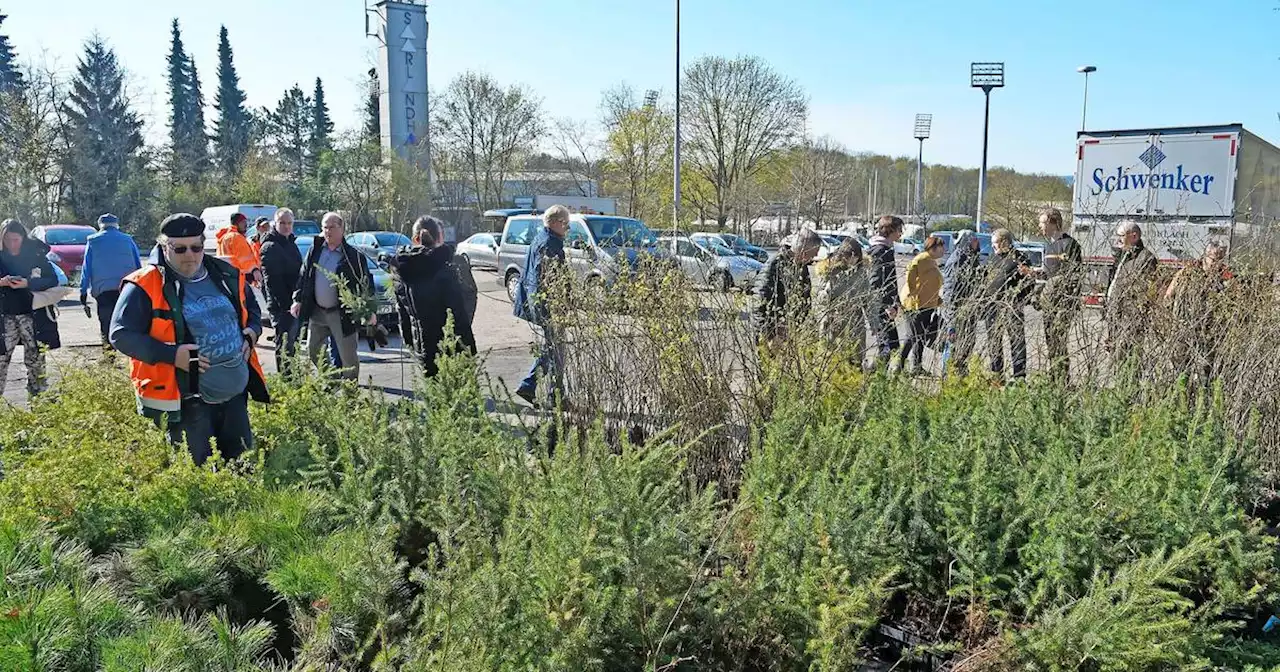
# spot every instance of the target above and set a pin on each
(923, 123)
(985, 76)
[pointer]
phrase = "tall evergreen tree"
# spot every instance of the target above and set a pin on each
(373, 106)
(10, 77)
(188, 143)
(320, 134)
(104, 134)
(234, 125)
(289, 131)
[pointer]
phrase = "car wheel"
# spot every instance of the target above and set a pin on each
(513, 284)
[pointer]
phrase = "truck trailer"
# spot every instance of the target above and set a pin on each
(1185, 187)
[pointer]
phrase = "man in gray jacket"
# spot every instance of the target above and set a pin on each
(1130, 295)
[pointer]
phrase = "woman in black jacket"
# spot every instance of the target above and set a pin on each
(431, 288)
(23, 269)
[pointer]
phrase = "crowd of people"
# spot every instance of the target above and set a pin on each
(946, 297)
(189, 322)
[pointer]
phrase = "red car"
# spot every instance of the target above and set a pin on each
(67, 241)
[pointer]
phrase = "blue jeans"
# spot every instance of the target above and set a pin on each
(228, 423)
(550, 363)
(335, 360)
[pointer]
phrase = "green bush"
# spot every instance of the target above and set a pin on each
(1019, 528)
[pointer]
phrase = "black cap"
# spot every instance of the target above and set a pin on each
(260, 221)
(182, 225)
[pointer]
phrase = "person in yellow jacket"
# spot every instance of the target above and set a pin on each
(235, 248)
(921, 299)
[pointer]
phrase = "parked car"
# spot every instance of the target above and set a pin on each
(387, 242)
(67, 242)
(1034, 252)
(710, 262)
(949, 241)
(304, 232)
(480, 251)
(737, 244)
(380, 271)
(909, 246)
(597, 247)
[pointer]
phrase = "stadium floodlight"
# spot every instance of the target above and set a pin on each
(985, 76)
(923, 124)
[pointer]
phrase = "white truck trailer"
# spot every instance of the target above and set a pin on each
(1184, 186)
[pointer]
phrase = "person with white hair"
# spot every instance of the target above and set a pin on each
(545, 258)
(1131, 294)
(783, 287)
(281, 269)
(317, 300)
(109, 257)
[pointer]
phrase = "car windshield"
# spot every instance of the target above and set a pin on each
(718, 247)
(620, 232)
(67, 236)
(306, 228)
(391, 239)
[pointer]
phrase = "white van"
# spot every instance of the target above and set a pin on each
(219, 217)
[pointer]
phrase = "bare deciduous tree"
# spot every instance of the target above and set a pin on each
(740, 114)
(819, 180)
(576, 145)
(32, 147)
(488, 128)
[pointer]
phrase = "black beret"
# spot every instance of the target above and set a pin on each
(182, 225)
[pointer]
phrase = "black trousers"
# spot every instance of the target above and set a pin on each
(106, 306)
(924, 331)
(202, 424)
(1006, 322)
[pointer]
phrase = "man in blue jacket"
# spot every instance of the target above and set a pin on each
(109, 257)
(545, 252)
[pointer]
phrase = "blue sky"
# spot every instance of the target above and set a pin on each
(867, 65)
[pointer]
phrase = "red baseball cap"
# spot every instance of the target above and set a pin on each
(238, 217)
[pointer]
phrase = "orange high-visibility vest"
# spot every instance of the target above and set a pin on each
(156, 385)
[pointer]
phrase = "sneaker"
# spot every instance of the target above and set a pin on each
(528, 395)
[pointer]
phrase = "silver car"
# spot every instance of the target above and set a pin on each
(480, 251)
(712, 263)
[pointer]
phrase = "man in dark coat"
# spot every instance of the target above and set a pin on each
(317, 300)
(430, 290)
(1060, 304)
(281, 269)
(885, 303)
(1131, 294)
(783, 287)
(24, 269)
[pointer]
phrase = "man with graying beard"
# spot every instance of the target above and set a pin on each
(1131, 295)
(189, 324)
(317, 301)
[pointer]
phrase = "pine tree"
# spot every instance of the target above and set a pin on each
(104, 134)
(320, 134)
(288, 130)
(10, 77)
(373, 107)
(234, 125)
(188, 143)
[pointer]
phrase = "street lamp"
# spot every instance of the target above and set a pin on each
(675, 224)
(923, 122)
(985, 76)
(1085, 70)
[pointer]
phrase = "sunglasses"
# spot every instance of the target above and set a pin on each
(183, 249)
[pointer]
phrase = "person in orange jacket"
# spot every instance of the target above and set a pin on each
(261, 228)
(235, 248)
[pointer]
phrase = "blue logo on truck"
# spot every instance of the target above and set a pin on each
(1174, 180)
